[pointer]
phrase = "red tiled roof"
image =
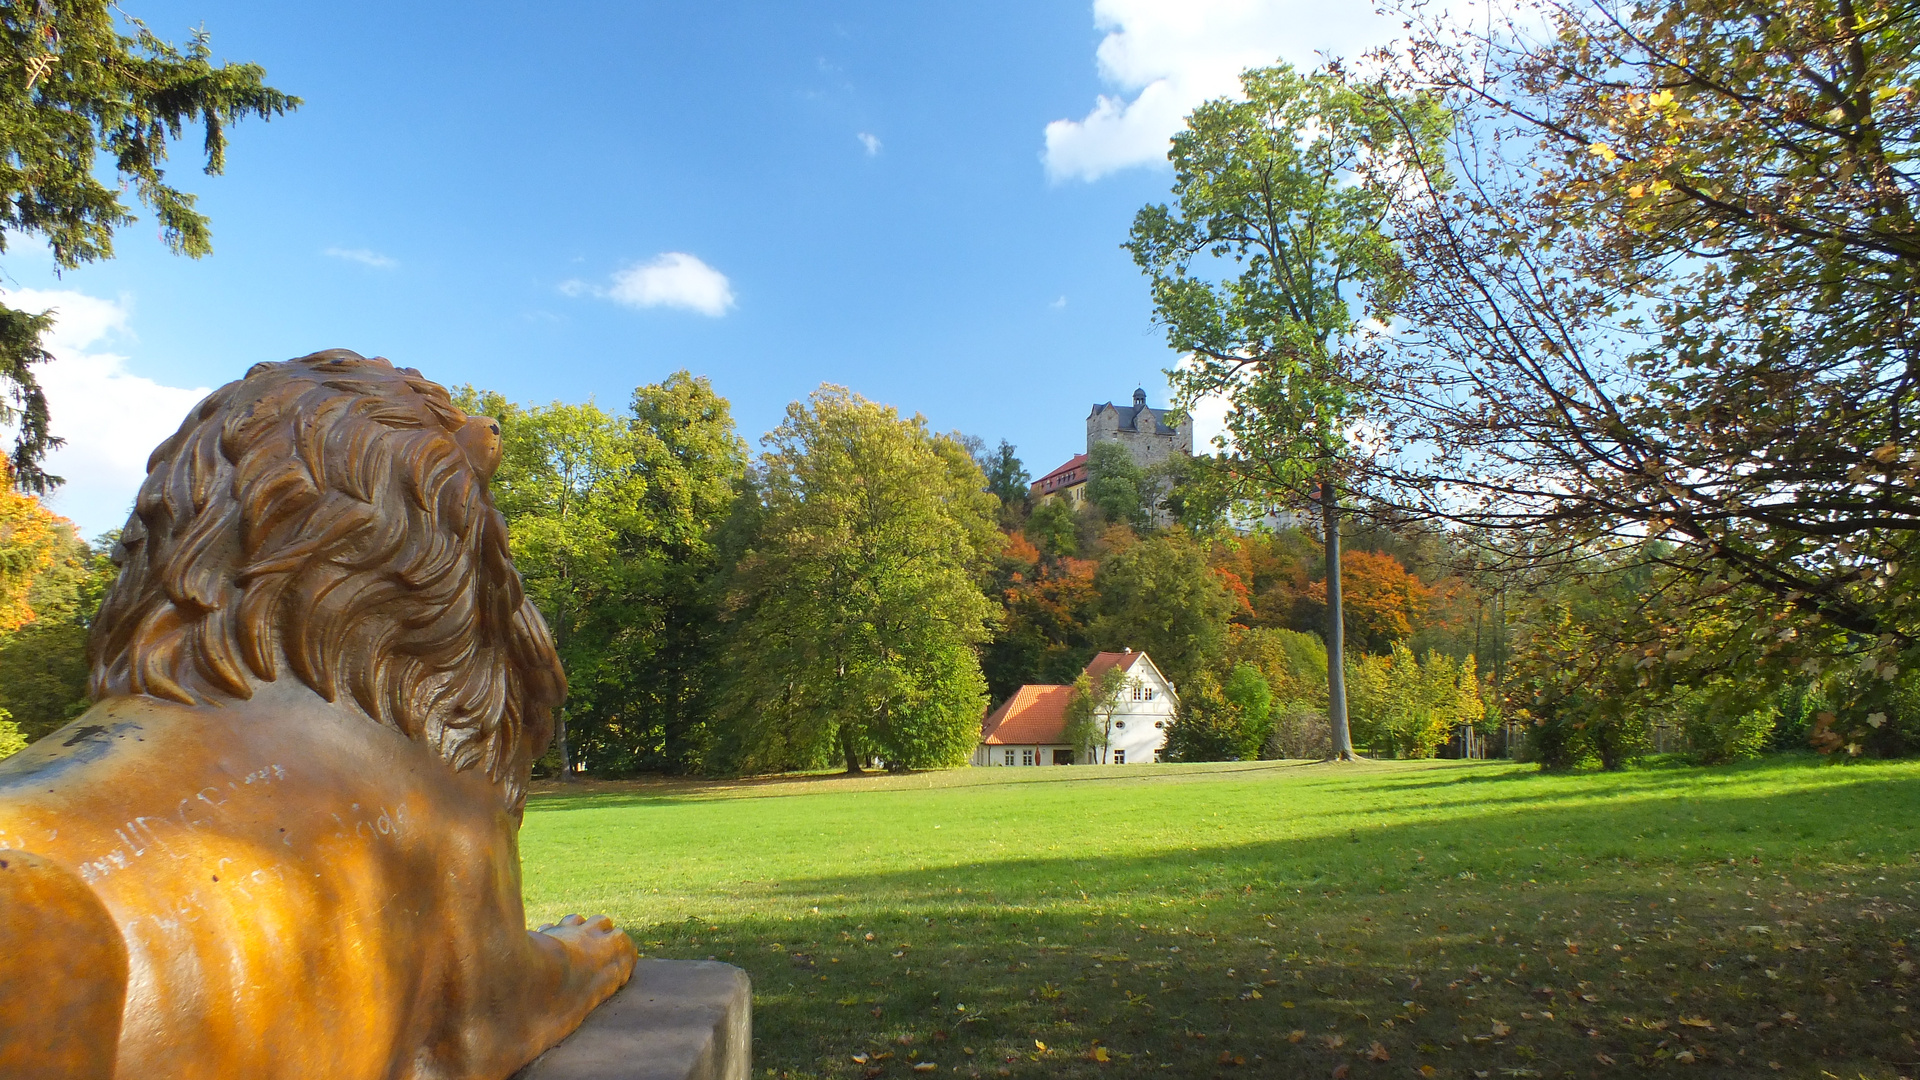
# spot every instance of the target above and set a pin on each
(1036, 715)
(1102, 661)
(1040, 486)
(1033, 716)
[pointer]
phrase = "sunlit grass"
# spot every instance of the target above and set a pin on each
(1467, 918)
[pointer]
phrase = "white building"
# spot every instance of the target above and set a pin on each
(1030, 727)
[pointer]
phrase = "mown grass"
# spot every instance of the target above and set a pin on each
(1379, 920)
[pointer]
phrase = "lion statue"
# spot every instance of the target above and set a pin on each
(283, 840)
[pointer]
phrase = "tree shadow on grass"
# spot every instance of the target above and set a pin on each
(1485, 942)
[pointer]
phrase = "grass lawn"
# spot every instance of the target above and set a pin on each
(1379, 920)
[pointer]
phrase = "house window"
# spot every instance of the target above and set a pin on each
(1063, 757)
(1009, 757)
(1146, 693)
(1159, 755)
(1026, 757)
(1119, 725)
(1159, 725)
(1119, 757)
(1136, 692)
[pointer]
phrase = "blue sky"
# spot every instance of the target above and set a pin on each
(564, 201)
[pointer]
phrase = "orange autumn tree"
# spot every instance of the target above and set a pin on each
(1383, 600)
(29, 538)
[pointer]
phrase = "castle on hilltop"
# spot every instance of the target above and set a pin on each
(1142, 429)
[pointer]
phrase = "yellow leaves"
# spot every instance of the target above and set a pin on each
(1296, 1035)
(1099, 1054)
(1378, 1052)
(1696, 1022)
(1228, 1057)
(1602, 151)
(924, 1066)
(1040, 1046)
(28, 536)
(1501, 1030)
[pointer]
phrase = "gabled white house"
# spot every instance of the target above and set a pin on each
(1030, 728)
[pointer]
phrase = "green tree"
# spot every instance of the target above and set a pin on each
(857, 606)
(72, 85)
(1090, 710)
(1264, 272)
(1007, 479)
(43, 663)
(570, 490)
(11, 740)
(1117, 484)
(1249, 693)
(1054, 529)
(614, 524)
(1158, 596)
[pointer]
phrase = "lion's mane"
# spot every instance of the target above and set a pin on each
(320, 515)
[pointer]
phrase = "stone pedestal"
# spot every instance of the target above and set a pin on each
(675, 1020)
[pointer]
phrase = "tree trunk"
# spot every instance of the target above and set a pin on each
(560, 740)
(850, 748)
(1336, 630)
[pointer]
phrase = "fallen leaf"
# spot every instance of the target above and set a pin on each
(1225, 1058)
(1296, 1035)
(1428, 1070)
(1684, 1057)
(1100, 1054)
(1334, 1042)
(1500, 1030)
(860, 1059)
(1696, 1022)
(905, 1040)
(1038, 1045)
(924, 1066)
(1378, 1052)
(1340, 1071)
(875, 1010)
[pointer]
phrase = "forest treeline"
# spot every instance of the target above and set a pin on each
(1590, 327)
(863, 588)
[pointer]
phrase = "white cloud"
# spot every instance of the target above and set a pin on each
(1058, 304)
(1171, 55)
(111, 418)
(870, 141)
(673, 279)
(363, 256)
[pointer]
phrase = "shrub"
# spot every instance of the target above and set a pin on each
(1300, 731)
(11, 741)
(1727, 721)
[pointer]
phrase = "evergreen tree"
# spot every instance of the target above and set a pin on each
(72, 85)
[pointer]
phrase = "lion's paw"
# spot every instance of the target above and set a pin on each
(601, 954)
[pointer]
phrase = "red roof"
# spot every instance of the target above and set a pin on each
(1033, 716)
(1041, 487)
(1102, 661)
(1036, 715)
